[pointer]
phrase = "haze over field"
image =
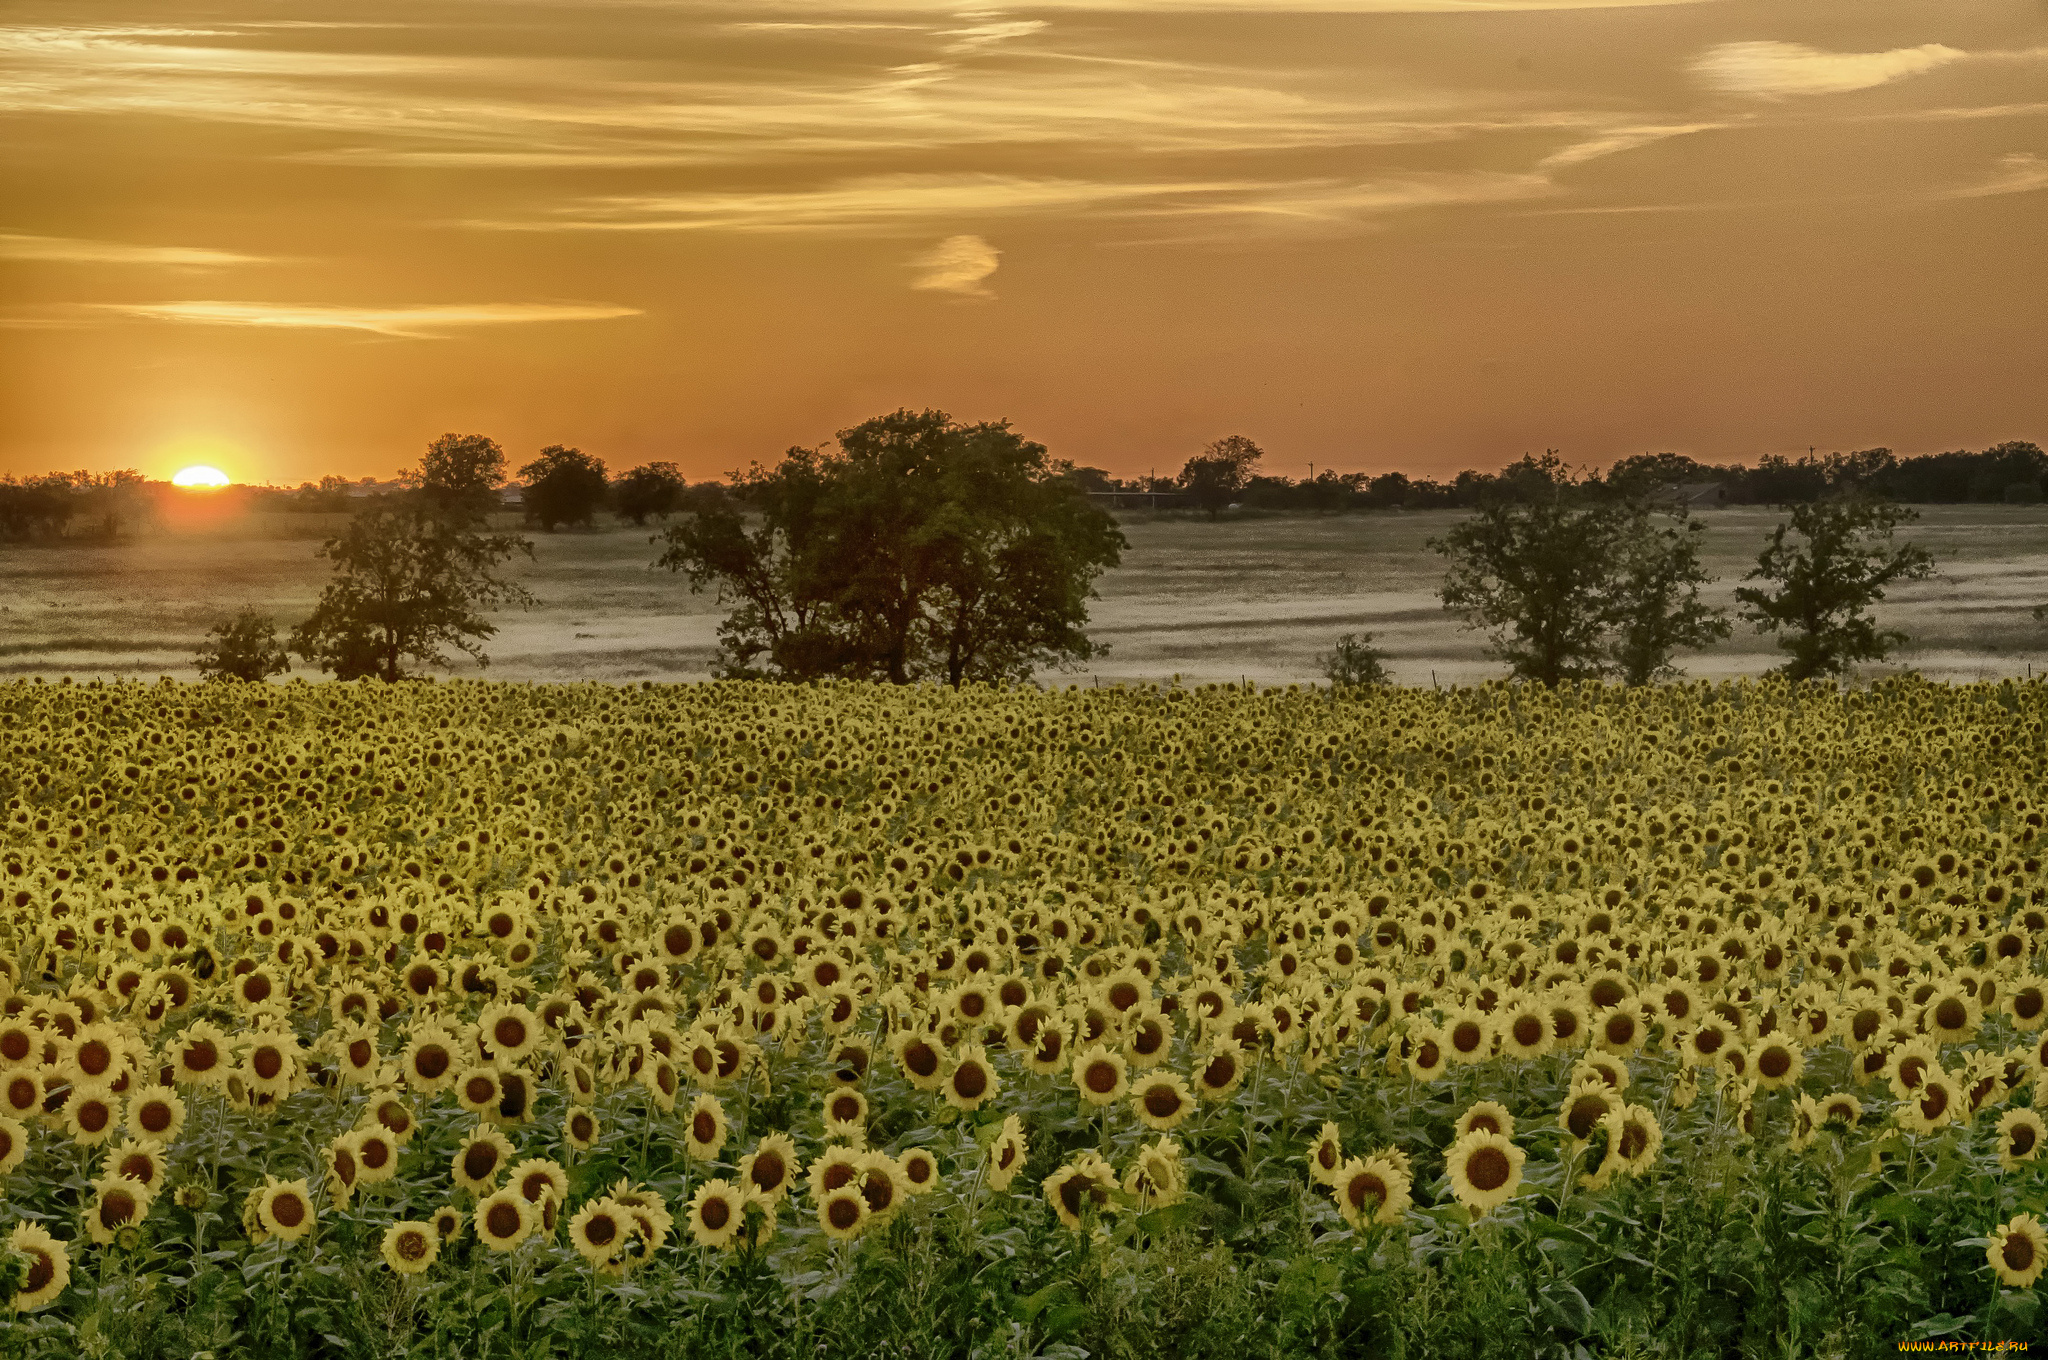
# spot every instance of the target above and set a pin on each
(1416, 234)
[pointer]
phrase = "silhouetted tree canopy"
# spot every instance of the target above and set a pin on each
(919, 550)
(408, 580)
(1824, 581)
(650, 491)
(563, 486)
(1220, 473)
(460, 474)
(244, 647)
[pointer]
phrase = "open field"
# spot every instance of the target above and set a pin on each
(495, 1021)
(1255, 597)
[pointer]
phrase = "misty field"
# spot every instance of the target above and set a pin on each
(1253, 598)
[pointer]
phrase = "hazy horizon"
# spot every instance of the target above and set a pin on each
(1375, 235)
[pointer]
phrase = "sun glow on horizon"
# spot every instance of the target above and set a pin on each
(199, 477)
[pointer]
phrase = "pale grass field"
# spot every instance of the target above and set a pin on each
(1255, 598)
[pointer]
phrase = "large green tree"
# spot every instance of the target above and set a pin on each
(563, 486)
(460, 474)
(1826, 567)
(409, 579)
(654, 490)
(919, 549)
(1217, 476)
(1575, 584)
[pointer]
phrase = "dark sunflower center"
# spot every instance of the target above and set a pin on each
(1488, 1169)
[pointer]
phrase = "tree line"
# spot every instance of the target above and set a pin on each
(921, 549)
(1227, 473)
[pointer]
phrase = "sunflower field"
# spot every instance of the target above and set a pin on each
(479, 1020)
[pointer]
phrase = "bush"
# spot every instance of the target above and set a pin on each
(243, 648)
(1355, 662)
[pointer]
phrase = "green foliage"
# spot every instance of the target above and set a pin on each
(408, 581)
(563, 486)
(652, 490)
(1220, 474)
(243, 648)
(1354, 663)
(921, 550)
(1824, 584)
(459, 475)
(1658, 609)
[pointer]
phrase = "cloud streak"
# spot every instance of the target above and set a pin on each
(424, 322)
(959, 265)
(68, 250)
(1770, 70)
(2022, 172)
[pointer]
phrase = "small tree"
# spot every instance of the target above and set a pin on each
(1657, 600)
(408, 580)
(652, 490)
(1826, 582)
(1355, 663)
(1540, 574)
(460, 475)
(1219, 475)
(563, 486)
(243, 648)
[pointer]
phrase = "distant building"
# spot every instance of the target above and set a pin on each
(1691, 495)
(513, 496)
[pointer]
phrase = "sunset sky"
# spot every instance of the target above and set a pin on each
(302, 238)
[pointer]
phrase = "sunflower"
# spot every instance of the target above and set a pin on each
(157, 1114)
(842, 1213)
(599, 1230)
(881, 1185)
(540, 1180)
(2020, 1132)
(1325, 1155)
(141, 1162)
(663, 1082)
(1951, 1015)
(1485, 1170)
(343, 1170)
(1488, 1117)
(770, 1169)
(715, 1213)
(94, 1054)
(1584, 1108)
(23, 1092)
(1371, 1190)
(1841, 1109)
(1524, 1030)
(480, 1089)
(846, 1114)
(505, 1219)
(705, 1130)
(49, 1266)
(286, 1209)
(580, 1128)
(271, 1064)
(1100, 1075)
(376, 1155)
(1779, 1063)
(2017, 1251)
(921, 1057)
(479, 1158)
(429, 1061)
(91, 1115)
(1807, 1119)
(1685, 1088)
(972, 1082)
(1428, 1055)
(1909, 1064)
(448, 1222)
(392, 1115)
(1704, 1043)
(834, 1169)
(13, 1144)
(1157, 1180)
(355, 1053)
(1222, 1068)
(1931, 1105)
(1007, 1154)
(410, 1248)
(1082, 1185)
(1640, 1138)
(1468, 1037)
(920, 1171)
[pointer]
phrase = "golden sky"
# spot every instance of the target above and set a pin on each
(1418, 234)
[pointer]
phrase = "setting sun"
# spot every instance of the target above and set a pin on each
(199, 477)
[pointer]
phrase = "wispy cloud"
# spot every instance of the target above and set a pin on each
(413, 322)
(1771, 69)
(958, 264)
(2019, 173)
(1616, 140)
(68, 250)
(903, 204)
